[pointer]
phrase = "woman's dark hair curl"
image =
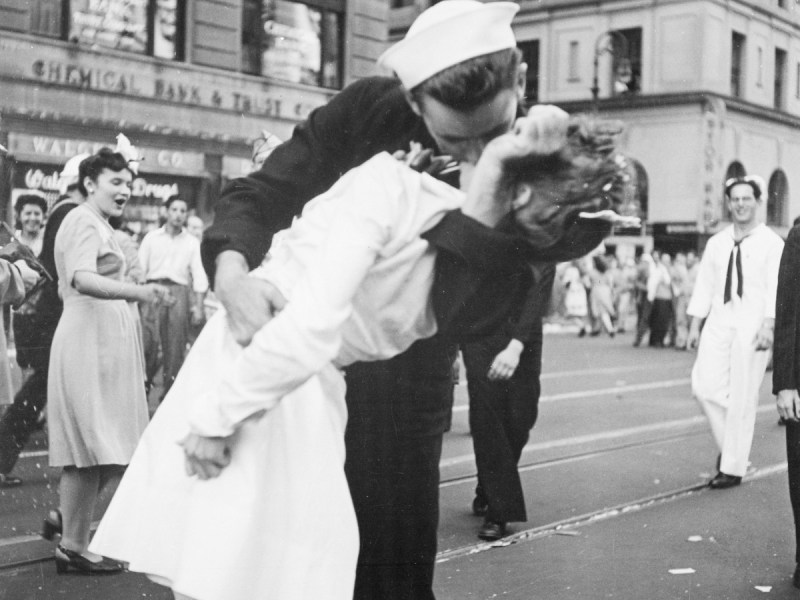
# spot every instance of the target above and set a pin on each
(588, 175)
(25, 199)
(92, 166)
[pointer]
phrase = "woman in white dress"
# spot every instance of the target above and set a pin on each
(269, 514)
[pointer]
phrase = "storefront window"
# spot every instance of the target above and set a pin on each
(127, 25)
(120, 24)
(151, 27)
(35, 178)
(292, 41)
(165, 30)
(145, 211)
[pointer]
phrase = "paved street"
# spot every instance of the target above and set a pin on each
(613, 477)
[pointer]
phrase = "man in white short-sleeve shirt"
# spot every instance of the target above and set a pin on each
(170, 255)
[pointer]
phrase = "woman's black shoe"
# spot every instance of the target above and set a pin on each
(52, 524)
(66, 559)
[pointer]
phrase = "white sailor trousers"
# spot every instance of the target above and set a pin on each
(726, 378)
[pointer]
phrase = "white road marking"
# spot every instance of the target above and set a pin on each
(619, 389)
(611, 370)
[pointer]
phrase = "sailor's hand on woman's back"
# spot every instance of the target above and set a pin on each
(250, 302)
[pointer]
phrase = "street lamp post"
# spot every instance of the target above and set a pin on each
(605, 44)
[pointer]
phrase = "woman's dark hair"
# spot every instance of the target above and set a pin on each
(746, 180)
(600, 263)
(92, 166)
(173, 199)
(472, 82)
(588, 175)
(26, 199)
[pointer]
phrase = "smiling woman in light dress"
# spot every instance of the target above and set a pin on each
(96, 408)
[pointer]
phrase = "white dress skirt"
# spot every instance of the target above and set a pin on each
(278, 523)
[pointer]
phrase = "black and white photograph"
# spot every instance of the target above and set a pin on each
(399, 300)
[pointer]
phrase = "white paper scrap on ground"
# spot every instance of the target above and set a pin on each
(695, 538)
(686, 571)
(764, 588)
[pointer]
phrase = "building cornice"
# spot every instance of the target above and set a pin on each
(644, 102)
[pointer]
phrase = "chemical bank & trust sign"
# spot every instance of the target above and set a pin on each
(169, 89)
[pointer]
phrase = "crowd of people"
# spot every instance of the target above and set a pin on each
(648, 293)
(389, 267)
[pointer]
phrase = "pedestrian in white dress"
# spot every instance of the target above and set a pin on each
(735, 292)
(262, 427)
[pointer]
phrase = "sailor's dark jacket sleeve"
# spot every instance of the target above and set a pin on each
(786, 348)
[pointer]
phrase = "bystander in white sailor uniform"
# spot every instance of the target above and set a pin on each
(735, 293)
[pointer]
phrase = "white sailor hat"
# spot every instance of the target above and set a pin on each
(448, 33)
(69, 174)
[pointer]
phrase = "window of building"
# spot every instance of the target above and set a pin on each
(780, 78)
(777, 196)
(626, 50)
(737, 64)
(151, 27)
(797, 81)
(760, 66)
(46, 18)
(530, 56)
(781, 3)
(574, 62)
(300, 42)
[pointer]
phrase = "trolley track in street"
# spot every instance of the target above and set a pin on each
(578, 456)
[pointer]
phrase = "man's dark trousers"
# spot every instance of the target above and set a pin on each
(397, 413)
(793, 457)
(20, 419)
(643, 310)
(501, 415)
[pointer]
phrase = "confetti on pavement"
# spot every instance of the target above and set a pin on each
(686, 571)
